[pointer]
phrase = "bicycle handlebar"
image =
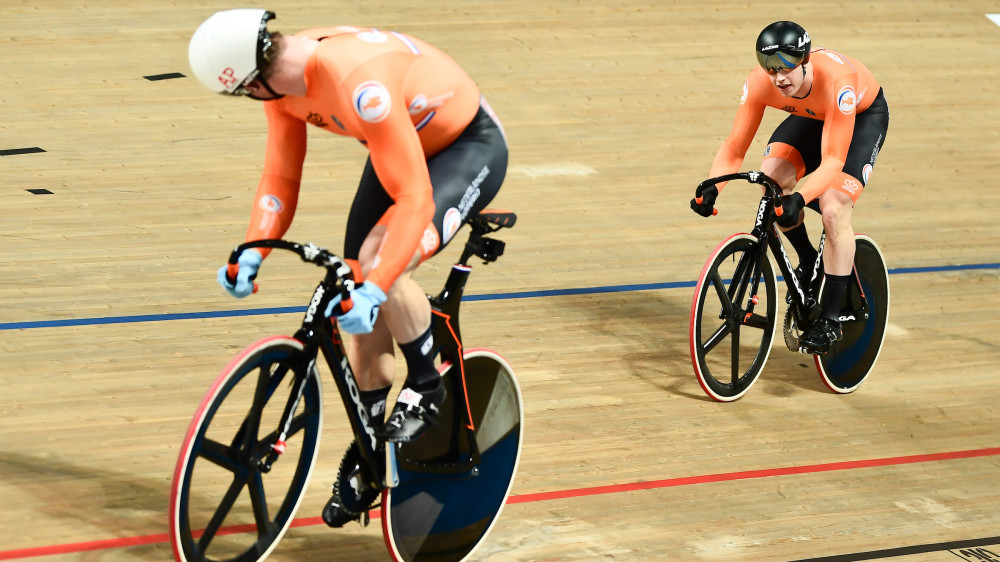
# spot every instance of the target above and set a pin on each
(752, 177)
(310, 253)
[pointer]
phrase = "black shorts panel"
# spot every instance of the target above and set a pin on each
(806, 136)
(465, 177)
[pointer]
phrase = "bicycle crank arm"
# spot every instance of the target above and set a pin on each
(391, 479)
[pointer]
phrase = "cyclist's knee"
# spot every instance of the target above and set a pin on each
(834, 203)
(836, 208)
(782, 171)
(407, 302)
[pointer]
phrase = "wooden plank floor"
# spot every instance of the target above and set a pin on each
(614, 111)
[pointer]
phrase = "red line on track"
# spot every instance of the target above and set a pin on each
(541, 496)
(763, 473)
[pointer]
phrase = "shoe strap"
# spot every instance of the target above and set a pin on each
(410, 397)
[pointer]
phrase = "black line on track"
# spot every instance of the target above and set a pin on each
(13, 151)
(905, 550)
(167, 76)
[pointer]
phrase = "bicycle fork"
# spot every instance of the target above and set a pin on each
(746, 276)
(278, 447)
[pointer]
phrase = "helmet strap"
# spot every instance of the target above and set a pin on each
(263, 82)
(803, 65)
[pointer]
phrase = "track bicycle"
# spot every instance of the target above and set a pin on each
(735, 309)
(249, 452)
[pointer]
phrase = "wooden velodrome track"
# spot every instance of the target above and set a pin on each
(112, 325)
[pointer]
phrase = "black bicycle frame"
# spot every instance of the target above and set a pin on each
(319, 333)
(766, 232)
(447, 335)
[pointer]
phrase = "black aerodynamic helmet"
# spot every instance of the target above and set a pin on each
(783, 45)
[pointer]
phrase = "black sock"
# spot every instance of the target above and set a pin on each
(803, 247)
(419, 354)
(833, 295)
(374, 401)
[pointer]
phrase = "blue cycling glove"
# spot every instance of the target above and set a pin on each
(360, 319)
(249, 263)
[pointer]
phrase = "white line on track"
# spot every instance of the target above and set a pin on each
(563, 169)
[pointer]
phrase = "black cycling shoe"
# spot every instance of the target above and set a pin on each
(821, 336)
(353, 495)
(413, 412)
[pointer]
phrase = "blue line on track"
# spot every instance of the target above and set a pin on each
(468, 298)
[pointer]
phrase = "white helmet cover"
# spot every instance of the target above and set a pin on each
(226, 52)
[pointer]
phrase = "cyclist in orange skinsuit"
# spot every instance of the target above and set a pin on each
(437, 154)
(838, 122)
(350, 79)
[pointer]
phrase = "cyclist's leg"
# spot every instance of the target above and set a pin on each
(838, 262)
(405, 318)
(791, 153)
(837, 204)
(838, 257)
(371, 355)
(465, 177)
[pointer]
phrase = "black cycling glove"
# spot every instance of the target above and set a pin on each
(707, 206)
(791, 206)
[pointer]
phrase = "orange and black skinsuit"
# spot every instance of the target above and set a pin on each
(436, 152)
(833, 133)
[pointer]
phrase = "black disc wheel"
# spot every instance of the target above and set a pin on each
(864, 319)
(448, 498)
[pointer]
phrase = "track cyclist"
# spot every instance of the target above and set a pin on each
(437, 154)
(837, 126)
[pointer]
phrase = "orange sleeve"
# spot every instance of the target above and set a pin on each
(278, 190)
(838, 130)
(734, 149)
(399, 161)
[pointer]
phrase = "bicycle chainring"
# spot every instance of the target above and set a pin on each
(356, 493)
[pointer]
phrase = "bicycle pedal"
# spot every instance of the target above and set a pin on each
(364, 519)
(805, 351)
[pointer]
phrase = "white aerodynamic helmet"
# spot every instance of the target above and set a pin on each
(227, 50)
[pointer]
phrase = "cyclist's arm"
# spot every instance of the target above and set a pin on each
(838, 130)
(278, 191)
(730, 156)
(399, 161)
